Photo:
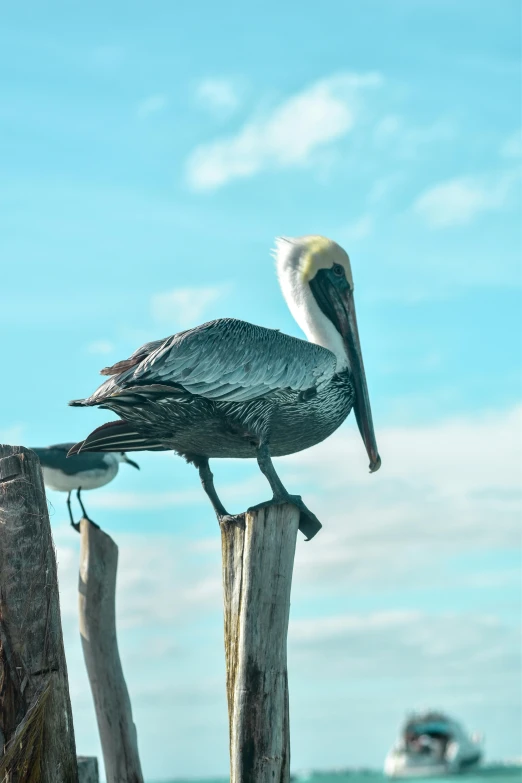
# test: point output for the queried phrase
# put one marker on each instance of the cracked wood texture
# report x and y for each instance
(97, 608)
(36, 727)
(258, 560)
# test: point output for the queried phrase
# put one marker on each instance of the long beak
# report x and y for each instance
(345, 310)
(131, 462)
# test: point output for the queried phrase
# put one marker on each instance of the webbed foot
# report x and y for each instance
(309, 525)
(232, 519)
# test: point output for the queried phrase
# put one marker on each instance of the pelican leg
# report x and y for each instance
(309, 525)
(75, 525)
(207, 480)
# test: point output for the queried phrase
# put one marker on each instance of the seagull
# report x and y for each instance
(229, 388)
(84, 471)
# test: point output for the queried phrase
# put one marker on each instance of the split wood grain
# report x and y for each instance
(258, 558)
(97, 610)
(36, 726)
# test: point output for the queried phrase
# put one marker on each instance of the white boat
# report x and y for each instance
(431, 744)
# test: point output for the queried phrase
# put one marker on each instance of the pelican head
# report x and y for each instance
(316, 279)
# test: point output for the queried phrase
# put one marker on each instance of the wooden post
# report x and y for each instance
(36, 727)
(88, 769)
(97, 607)
(258, 559)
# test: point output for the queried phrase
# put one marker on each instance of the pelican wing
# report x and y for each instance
(228, 360)
(134, 359)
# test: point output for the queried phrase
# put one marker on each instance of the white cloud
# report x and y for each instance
(184, 307)
(219, 95)
(152, 105)
(387, 127)
(167, 593)
(410, 644)
(327, 629)
(405, 140)
(436, 494)
(359, 229)
(447, 454)
(512, 147)
(13, 435)
(460, 200)
(159, 578)
(319, 114)
(142, 501)
(100, 347)
(382, 188)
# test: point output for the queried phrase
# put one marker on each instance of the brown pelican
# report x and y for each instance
(232, 389)
(84, 471)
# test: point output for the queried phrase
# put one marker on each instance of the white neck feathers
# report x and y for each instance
(307, 313)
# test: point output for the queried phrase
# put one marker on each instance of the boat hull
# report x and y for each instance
(401, 766)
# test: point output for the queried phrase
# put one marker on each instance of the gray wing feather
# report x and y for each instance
(228, 359)
(134, 359)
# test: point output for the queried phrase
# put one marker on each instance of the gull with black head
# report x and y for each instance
(228, 388)
(84, 471)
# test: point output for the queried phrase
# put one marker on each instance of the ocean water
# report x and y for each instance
(486, 774)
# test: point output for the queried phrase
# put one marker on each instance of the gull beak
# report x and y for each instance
(131, 462)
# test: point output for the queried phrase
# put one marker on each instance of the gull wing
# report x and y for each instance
(56, 457)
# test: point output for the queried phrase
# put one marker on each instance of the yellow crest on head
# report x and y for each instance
(316, 246)
(321, 253)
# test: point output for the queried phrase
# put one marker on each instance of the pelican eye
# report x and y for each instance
(338, 270)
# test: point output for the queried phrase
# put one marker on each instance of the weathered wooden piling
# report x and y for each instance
(88, 769)
(258, 559)
(36, 727)
(97, 609)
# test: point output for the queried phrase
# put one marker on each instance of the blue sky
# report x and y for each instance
(150, 155)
